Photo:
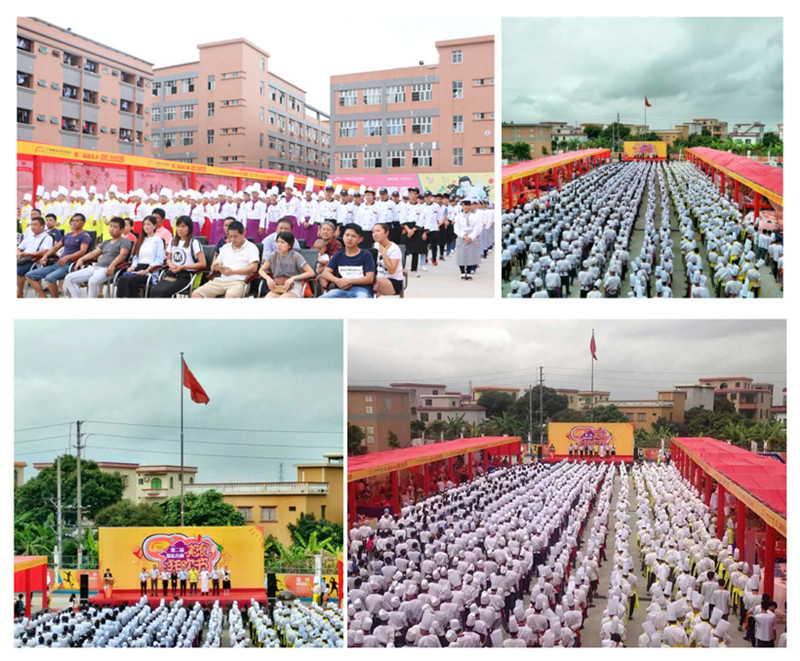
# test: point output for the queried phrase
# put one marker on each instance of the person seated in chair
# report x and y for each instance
(33, 247)
(352, 270)
(111, 252)
(236, 260)
(75, 246)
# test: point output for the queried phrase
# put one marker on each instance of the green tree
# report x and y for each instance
(773, 432)
(37, 496)
(391, 440)
(205, 509)
(417, 427)
(521, 151)
(125, 513)
(435, 429)
(552, 403)
(506, 424)
(495, 402)
(355, 441)
(453, 426)
(33, 538)
(622, 132)
(313, 535)
(593, 131)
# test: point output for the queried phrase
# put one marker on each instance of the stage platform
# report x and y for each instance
(132, 596)
(618, 459)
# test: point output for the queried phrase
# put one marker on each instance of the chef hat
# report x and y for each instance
(289, 181)
(649, 627)
(338, 190)
(166, 192)
(716, 616)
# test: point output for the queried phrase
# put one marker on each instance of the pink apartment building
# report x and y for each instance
(76, 92)
(426, 118)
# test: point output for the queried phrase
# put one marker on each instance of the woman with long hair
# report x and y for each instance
(390, 278)
(184, 258)
(147, 251)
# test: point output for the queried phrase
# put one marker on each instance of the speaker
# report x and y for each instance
(84, 588)
(272, 586)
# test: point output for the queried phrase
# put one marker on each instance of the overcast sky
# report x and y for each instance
(307, 42)
(635, 358)
(259, 375)
(589, 69)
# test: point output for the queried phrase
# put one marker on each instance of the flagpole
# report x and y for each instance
(591, 395)
(181, 475)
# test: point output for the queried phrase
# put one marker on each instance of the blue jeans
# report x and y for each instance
(52, 273)
(353, 292)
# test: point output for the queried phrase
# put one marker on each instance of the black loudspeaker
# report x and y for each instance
(272, 586)
(84, 588)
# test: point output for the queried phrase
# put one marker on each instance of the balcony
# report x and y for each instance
(155, 493)
(256, 488)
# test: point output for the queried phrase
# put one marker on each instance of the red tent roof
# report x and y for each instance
(762, 477)
(527, 168)
(379, 463)
(762, 178)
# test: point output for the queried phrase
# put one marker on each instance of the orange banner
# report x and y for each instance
(651, 149)
(585, 434)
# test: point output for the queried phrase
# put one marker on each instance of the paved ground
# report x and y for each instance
(444, 280)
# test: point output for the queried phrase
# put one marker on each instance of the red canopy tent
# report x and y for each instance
(567, 164)
(764, 180)
(30, 575)
(393, 461)
(758, 483)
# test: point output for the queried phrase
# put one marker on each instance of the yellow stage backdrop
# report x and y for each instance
(561, 434)
(651, 149)
(126, 550)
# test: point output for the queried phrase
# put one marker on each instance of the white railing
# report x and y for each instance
(227, 489)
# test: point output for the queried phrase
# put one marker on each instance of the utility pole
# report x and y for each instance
(541, 406)
(80, 513)
(280, 472)
(58, 513)
(530, 417)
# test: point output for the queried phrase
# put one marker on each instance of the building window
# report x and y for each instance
(369, 410)
(458, 123)
(458, 57)
(369, 398)
(263, 64)
(155, 140)
(155, 483)
(126, 135)
(156, 89)
(155, 114)
(71, 125)
(348, 98)
(23, 116)
(322, 511)
(23, 44)
(210, 137)
(261, 113)
(24, 79)
(395, 126)
(171, 87)
(260, 139)
(423, 417)
(484, 81)
(428, 402)
(211, 82)
(171, 482)
(187, 112)
(490, 115)
(90, 128)
(269, 513)
(373, 159)
(273, 93)
(458, 156)
(209, 160)
(372, 96)
(169, 139)
(348, 160)
(272, 117)
(89, 66)
(420, 125)
(421, 158)
(641, 417)
(70, 59)
(396, 94)
(458, 89)
(187, 138)
(187, 85)
(372, 128)
(69, 92)
(396, 159)
(421, 92)
(271, 142)
(170, 112)
(246, 512)
(292, 508)
(348, 129)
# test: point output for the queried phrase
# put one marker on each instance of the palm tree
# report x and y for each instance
(738, 432)
(454, 426)
(771, 432)
(506, 424)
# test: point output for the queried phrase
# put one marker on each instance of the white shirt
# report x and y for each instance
(237, 259)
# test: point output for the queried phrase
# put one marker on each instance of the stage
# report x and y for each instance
(132, 596)
(617, 459)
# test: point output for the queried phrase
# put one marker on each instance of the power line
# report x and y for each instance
(59, 424)
(171, 440)
(255, 431)
(198, 454)
(36, 440)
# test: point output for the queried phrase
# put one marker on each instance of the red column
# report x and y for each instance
(351, 502)
(720, 511)
(129, 177)
(707, 498)
(396, 491)
(37, 175)
(193, 180)
(722, 183)
(485, 461)
(756, 205)
(536, 183)
(426, 479)
(769, 561)
(736, 190)
(450, 469)
(469, 466)
(741, 516)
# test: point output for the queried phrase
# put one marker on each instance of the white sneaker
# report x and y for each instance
(424, 268)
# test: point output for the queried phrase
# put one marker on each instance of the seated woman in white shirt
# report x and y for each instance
(390, 278)
(147, 251)
(184, 258)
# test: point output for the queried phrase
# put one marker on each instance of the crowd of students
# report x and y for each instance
(154, 248)
(583, 233)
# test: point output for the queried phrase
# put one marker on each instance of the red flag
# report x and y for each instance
(647, 103)
(199, 395)
(593, 347)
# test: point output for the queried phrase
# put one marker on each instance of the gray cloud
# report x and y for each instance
(259, 375)
(589, 69)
